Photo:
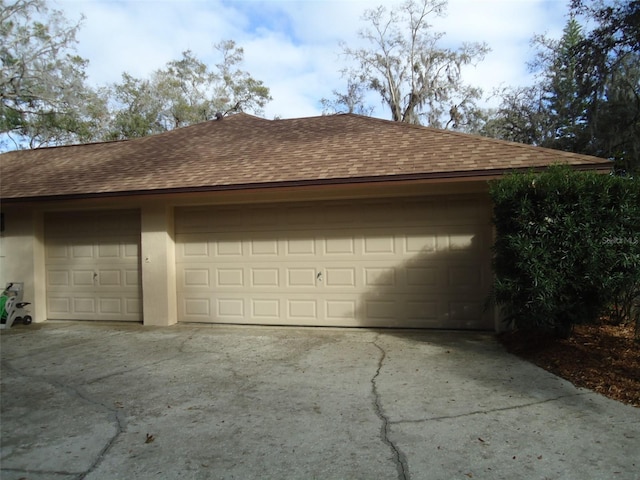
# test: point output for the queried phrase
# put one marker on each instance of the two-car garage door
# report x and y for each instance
(394, 263)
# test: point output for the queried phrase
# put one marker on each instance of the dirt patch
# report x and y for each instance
(603, 358)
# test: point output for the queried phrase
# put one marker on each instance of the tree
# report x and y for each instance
(608, 61)
(521, 117)
(550, 113)
(184, 92)
(416, 79)
(137, 112)
(587, 97)
(42, 82)
(558, 67)
(236, 89)
(351, 101)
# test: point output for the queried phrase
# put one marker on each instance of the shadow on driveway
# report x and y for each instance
(96, 401)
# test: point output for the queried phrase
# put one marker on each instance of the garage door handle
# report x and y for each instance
(95, 275)
(319, 276)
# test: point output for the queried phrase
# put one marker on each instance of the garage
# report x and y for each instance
(92, 265)
(334, 220)
(402, 263)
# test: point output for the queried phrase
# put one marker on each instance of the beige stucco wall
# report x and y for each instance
(158, 265)
(22, 257)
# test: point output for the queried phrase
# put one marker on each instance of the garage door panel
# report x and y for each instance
(376, 245)
(265, 309)
(261, 217)
(300, 247)
(197, 277)
(228, 249)
(110, 278)
(132, 277)
(464, 314)
(58, 305)
(201, 219)
(420, 212)
(383, 307)
(464, 277)
(461, 242)
(419, 310)
(199, 308)
(132, 250)
(82, 252)
(302, 277)
(416, 242)
(341, 310)
(306, 308)
(230, 308)
(82, 278)
(340, 277)
(107, 251)
(464, 211)
(381, 212)
(193, 248)
(339, 246)
(84, 306)
(264, 247)
(292, 215)
(230, 277)
(421, 277)
(57, 251)
(203, 307)
(110, 305)
(92, 265)
(396, 263)
(375, 277)
(265, 277)
(111, 223)
(58, 278)
(121, 252)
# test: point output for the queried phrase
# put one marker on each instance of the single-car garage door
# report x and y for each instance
(92, 265)
(419, 263)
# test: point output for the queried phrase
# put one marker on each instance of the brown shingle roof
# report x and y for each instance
(243, 150)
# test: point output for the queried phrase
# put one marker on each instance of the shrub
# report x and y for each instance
(567, 245)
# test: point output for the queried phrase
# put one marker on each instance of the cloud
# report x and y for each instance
(507, 26)
(293, 46)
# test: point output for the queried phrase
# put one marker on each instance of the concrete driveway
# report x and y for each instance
(113, 401)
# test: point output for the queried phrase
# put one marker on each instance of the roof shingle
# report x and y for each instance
(243, 150)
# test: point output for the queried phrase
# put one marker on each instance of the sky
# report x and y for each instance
(293, 46)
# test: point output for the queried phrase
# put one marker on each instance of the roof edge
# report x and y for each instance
(438, 176)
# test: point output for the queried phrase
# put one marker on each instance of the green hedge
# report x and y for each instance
(567, 244)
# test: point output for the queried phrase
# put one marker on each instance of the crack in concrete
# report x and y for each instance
(401, 462)
(77, 475)
(74, 391)
(133, 369)
(121, 427)
(492, 410)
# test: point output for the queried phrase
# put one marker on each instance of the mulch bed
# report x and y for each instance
(604, 358)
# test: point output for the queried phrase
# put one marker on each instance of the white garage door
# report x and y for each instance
(92, 266)
(420, 263)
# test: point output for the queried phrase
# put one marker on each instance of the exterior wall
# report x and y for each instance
(159, 304)
(22, 257)
(22, 244)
